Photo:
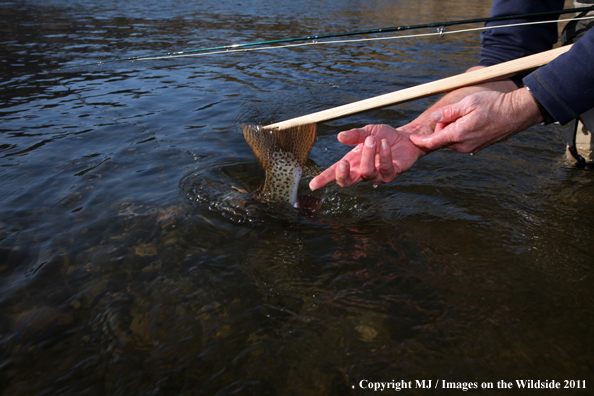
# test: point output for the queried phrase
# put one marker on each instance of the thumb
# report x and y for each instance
(431, 142)
(442, 136)
(448, 114)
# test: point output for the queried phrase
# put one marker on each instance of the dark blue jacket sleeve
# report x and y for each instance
(506, 43)
(564, 87)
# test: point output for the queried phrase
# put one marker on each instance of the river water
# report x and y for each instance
(122, 274)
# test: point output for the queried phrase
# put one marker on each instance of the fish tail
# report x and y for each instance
(264, 142)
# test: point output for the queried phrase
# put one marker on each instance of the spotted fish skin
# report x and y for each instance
(282, 154)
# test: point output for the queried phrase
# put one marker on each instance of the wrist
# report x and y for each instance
(526, 108)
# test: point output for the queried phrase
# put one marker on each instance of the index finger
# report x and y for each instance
(327, 176)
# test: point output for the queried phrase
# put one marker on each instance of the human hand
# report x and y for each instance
(381, 154)
(480, 120)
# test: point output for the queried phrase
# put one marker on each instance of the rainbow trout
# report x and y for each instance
(283, 155)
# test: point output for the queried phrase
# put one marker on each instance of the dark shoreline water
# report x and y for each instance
(115, 278)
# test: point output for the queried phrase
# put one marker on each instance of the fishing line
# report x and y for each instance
(438, 33)
(241, 47)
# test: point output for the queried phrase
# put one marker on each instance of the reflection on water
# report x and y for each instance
(122, 271)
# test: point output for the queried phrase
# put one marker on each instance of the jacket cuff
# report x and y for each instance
(548, 98)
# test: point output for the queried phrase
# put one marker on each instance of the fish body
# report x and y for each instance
(283, 155)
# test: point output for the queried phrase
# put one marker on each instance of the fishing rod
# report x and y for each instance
(440, 25)
(440, 32)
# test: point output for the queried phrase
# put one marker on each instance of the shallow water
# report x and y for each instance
(122, 272)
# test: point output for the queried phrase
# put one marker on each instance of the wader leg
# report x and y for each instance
(582, 146)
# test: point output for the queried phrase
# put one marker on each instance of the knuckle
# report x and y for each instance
(342, 182)
(386, 168)
(368, 174)
(446, 112)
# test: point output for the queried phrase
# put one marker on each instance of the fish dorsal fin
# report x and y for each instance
(264, 142)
